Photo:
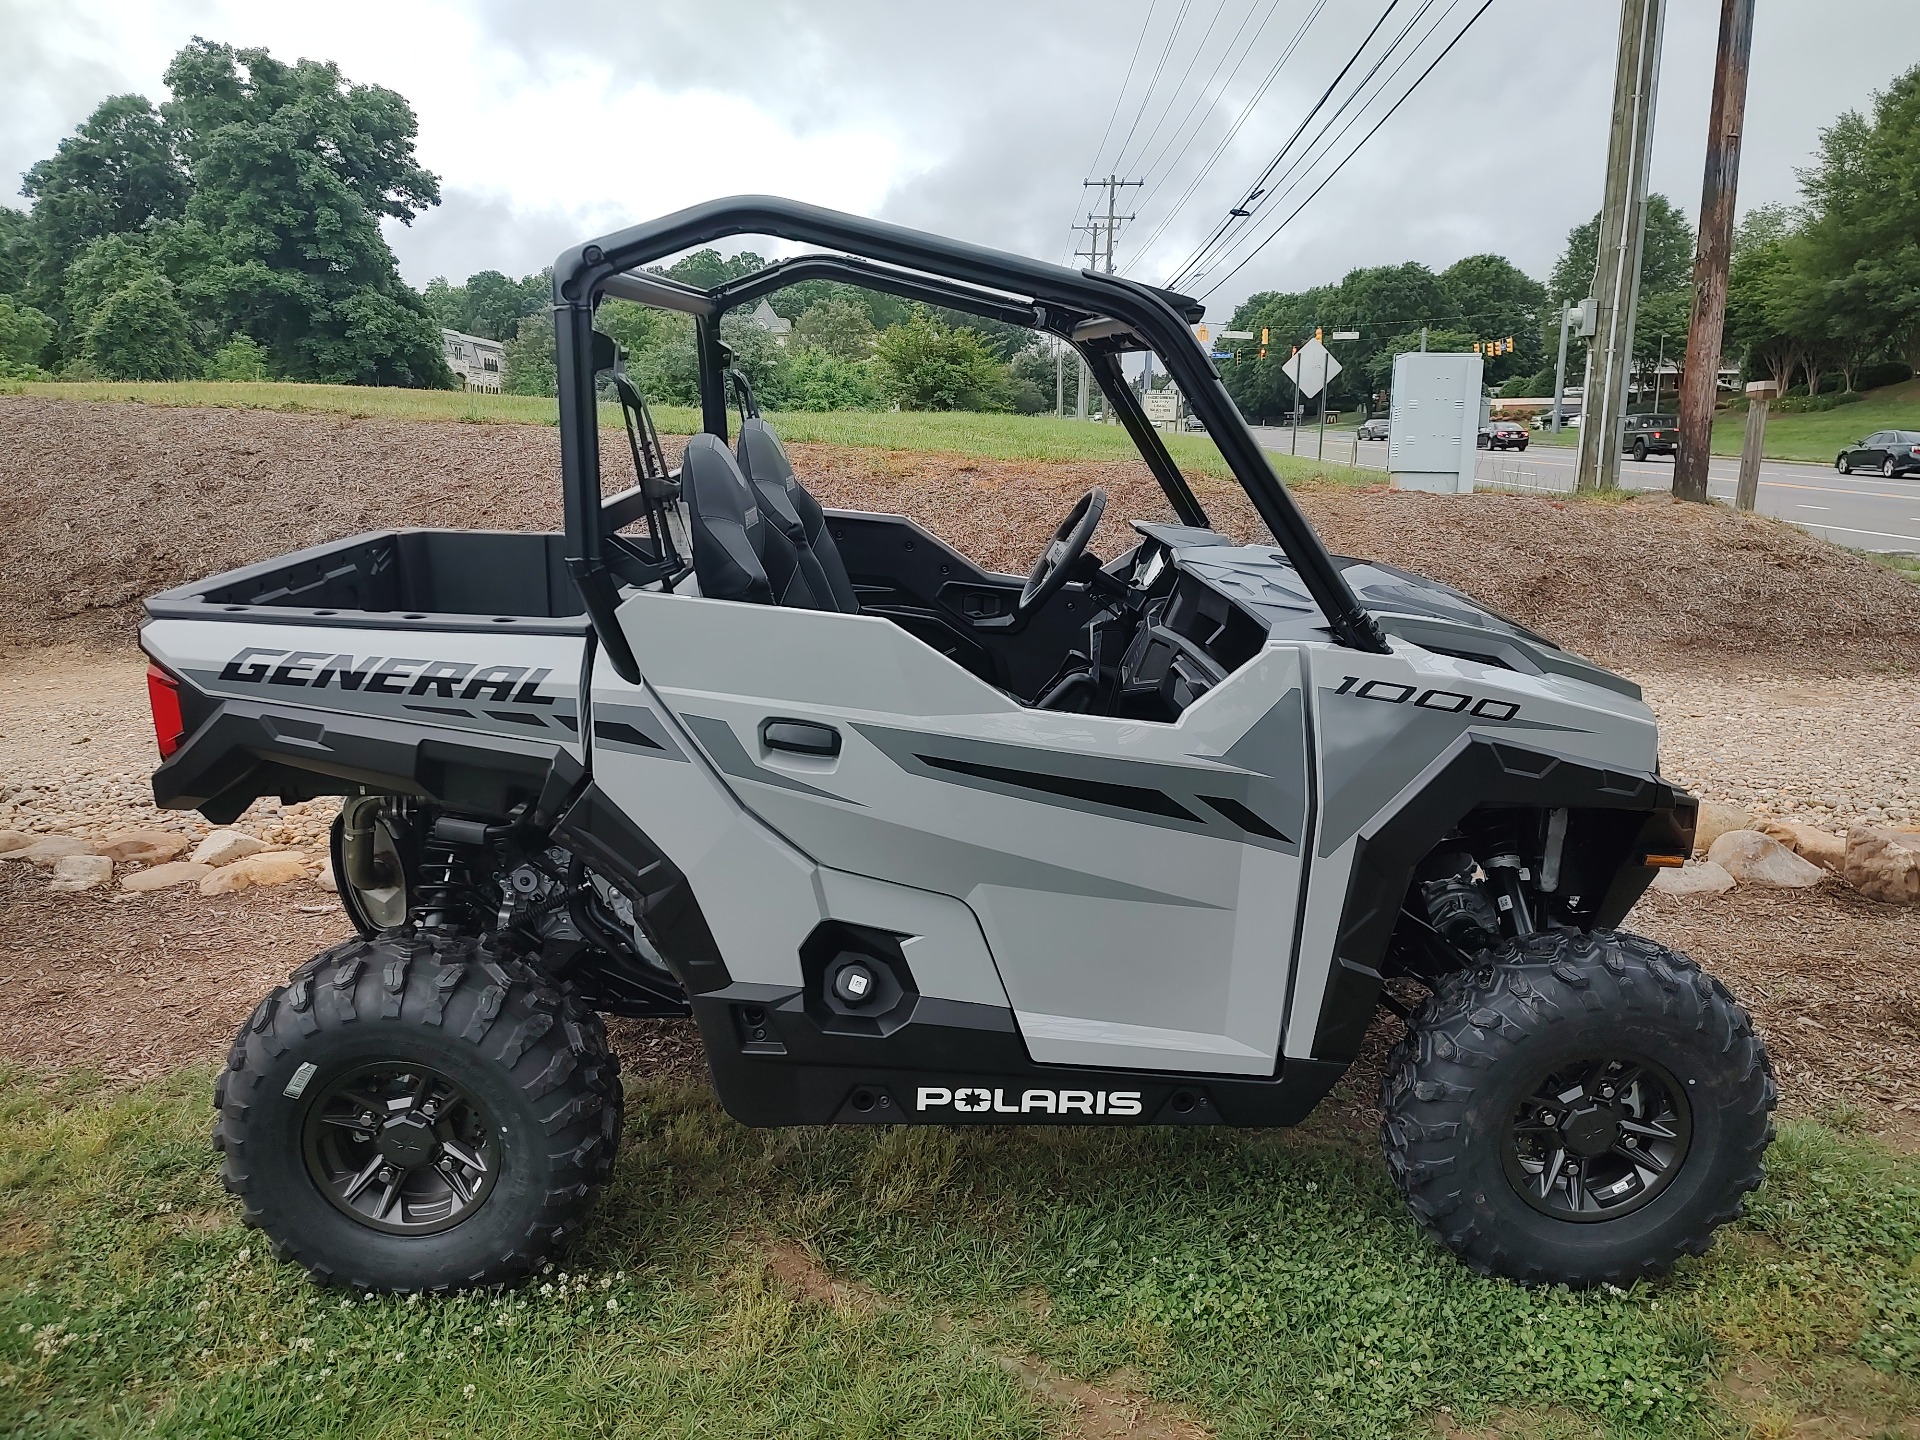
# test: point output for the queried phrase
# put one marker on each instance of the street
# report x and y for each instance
(1860, 512)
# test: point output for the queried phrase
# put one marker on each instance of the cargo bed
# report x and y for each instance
(394, 579)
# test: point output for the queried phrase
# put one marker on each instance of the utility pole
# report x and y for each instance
(1700, 380)
(1623, 220)
(1560, 365)
(1060, 379)
(1101, 228)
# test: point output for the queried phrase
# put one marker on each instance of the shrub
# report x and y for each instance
(1882, 372)
(817, 380)
(241, 358)
(925, 365)
(140, 333)
(24, 334)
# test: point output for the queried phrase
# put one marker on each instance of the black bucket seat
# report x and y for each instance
(738, 552)
(787, 503)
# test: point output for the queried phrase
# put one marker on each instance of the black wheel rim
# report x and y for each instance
(400, 1148)
(1598, 1138)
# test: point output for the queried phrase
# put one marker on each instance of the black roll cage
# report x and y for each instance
(1100, 315)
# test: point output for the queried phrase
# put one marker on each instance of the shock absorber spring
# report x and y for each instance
(444, 889)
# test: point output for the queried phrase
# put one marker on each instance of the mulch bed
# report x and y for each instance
(102, 504)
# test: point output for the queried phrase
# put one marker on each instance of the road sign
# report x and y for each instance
(1162, 406)
(1220, 354)
(1236, 334)
(1346, 334)
(1311, 368)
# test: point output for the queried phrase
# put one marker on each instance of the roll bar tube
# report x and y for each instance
(582, 271)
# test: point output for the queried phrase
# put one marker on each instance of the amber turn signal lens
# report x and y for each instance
(1665, 862)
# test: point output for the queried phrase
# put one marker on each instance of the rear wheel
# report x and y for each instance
(418, 1113)
(1640, 450)
(1582, 1108)
(1889, 469)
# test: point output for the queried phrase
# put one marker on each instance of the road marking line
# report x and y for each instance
(1882, 534)
(1813, 507)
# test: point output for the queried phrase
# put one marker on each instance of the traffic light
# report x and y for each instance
(1263, 334)
(1476, 347)
(1509, 344)
(1316, 332)
(1201, 332)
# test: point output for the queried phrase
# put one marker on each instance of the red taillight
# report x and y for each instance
(169, 726)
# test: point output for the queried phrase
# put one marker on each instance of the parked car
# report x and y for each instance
(1644, 435)
(1891, 452)
(1374, 429)
(1502, 435)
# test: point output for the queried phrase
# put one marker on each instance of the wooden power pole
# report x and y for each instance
(1623, 217)
(1700, 381)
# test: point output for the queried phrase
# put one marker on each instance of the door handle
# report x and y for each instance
(800, 737)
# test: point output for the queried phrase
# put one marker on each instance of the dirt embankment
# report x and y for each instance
(102, 504)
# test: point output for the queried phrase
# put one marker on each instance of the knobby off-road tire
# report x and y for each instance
(1459, 1107)
(493, 1044)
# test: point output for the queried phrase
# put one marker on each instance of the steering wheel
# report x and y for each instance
(1063, 552)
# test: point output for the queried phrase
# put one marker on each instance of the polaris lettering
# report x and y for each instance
(389, 675)
(979, 1100)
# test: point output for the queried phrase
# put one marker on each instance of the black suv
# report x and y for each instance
(1891, 452)
(1645, 435)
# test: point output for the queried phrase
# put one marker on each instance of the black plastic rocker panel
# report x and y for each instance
(797, 1072)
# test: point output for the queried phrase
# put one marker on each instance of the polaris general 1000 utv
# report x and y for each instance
(1146, 840)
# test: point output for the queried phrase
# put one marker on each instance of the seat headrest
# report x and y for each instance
(724, 523)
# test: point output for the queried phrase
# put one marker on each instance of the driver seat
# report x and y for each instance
(787, 504)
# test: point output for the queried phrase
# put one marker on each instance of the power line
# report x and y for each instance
(1173, 95)
(1126, 80)
(1246, 111)
(1233, 48)
(1147, 94)
(1325, 140)
(1254, 190)
(1485, 6)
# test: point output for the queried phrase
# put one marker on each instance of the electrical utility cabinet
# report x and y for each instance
(1434, 422)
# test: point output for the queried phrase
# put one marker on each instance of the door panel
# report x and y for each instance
(1138, 884)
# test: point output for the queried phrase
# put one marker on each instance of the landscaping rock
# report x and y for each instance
(325, 878)
(46, 850)
(224, 847)
(12, 840)
(175, 872)
(274, 867)
(1810, 842)
(143, 847)
(1884, 864)
(1716, 820)
(1760, 860)
(1702, 877)
(80, 872)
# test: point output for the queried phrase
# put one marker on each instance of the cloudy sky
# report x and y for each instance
(553, 121)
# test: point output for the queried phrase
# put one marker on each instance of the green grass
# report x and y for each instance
(1039, 438)
(1266, 1283)
(1816, 437)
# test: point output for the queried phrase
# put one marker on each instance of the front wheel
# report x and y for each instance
(1582, 1108)
(418, 1112)
(1843, 465)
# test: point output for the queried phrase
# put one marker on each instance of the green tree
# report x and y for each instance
(1862, 238)
(241, 358)
(25, 334)
(530, 359)
(1034, 375)
(1496, 300)
(117, 172)
(16, 233)
(928, 365)
(819, 380)
(293, 168)
(705, 269)
(140, 333)
(835, 326)
(489, 304)
(108, 264)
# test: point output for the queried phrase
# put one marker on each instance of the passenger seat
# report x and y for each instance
(737, 554)
(786, 501)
